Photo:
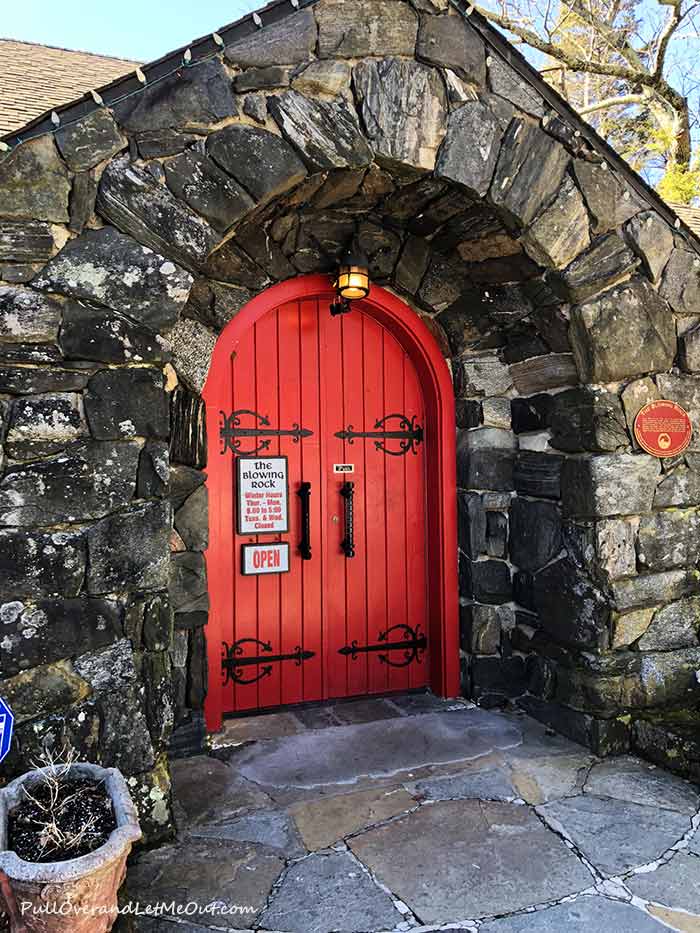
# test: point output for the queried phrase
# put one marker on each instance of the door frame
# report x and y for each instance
(441, 479)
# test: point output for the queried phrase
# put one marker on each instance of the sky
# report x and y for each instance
(142, 30)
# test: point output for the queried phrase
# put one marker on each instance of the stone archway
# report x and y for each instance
(559, 293)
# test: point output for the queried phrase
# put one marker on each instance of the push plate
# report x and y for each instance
(343, 467)
(265, 558)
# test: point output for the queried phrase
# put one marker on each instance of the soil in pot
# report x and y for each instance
(61, 819)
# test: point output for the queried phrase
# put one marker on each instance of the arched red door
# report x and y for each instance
(322, 440)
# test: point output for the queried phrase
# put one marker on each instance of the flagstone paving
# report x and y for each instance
(415, 814)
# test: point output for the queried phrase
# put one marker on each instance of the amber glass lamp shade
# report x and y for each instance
(353, 277)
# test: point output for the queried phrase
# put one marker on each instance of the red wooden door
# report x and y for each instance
(341, 400)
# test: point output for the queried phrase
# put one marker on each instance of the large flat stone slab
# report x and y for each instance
(323, 822)
(378, 749)
(272, 829)
(640, 782)
(490, 784)
(538, 780)
(329, 892)
(584, 915)
(675, 884)
(467, 859)
(614, 835)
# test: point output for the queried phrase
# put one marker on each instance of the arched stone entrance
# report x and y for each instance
(429, 527)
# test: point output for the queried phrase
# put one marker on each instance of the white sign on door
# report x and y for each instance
(265, 558)
(263, 495)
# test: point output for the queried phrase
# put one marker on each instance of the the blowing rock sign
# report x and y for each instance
(663, 429)
(262, 496)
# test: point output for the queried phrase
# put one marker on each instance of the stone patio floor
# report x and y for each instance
(418, 814)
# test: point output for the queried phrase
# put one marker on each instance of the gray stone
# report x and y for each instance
(470, 151)
(155, 144)
(91, 140)
(48, 630)
(82, 200)
(371, 27)
(188, 582)
(207, 189)
(255, 107)
(123, 403)
(323, 893)
(87, 482)
(130, 550)
(34, 183)
(616, 835)
(114, 270)
(668, 539)
(412, 264)
(652, 240)
(471, 523)
(191, 97)
(36, 564)
(492, 784)
(192, 520)
(44, 424)
(529, 172)
(324, 77)
(232, 265)
(27, 316)
(635, 396)
(535, 533)
(28, 241)
(675, 884)
(484, 375)
(538, 474)
(404, 109)
(28, 380)
(505, 82)
(269, 828)
(255, 79)
(571, 608)
(132, 200)
(685, 390)
(539, 779)
(650, 589)
(193, 345)
(680, 285)
(681, 487)
(609, 204)
(449, 42)
(265, 165)
(326, 133)
(588, 419)
(183, 482)
(614, 542)
(90, 333)
(382, 248)
(484, 468)
(584, 915)
(635, 781)
(626, 331)
(606, 262)
(609, 484)
(560, 232)
(540, 373)
(689, 345)
(496, 412)
(480, 629)
(483, 846)
(291, 40)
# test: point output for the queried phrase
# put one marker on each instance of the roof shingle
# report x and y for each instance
(35, 78)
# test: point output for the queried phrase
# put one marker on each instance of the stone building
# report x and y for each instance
(167, 253)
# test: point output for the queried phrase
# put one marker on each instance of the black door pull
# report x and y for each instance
(304, 493)
(348, 543)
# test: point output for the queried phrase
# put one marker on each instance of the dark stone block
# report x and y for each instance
(192, 520)
(189, 737)
(50, 630)
(231, 264)
(89, 333)
(448, 41)
(480, 629)
(471, 523)
(27, 316)
(262, 249)
(197, 670)
(155, 144)
(523, 344)
(183, 482)
(588, 419)
(470, 151)
(605, 262)
(87, 481)
(91, 140)
(188, 583)
(288, 42)
(541, 677)
(603, 736)
(114, 270)
(130, 550)
(468, 412)
(255, 107)
(540, 373)
(265, 165)
(490, 581)
(158, 623)
(485, 469)
(25, 241)
(495, 680)
(29, 353)
(382, 248)
(132, 200)
(538, 474)
(190, 620)
(122, 403)
(188, 434)
(571, 609)
(326, 133)
(157, 681)
(256, 79)
(535, 533)
(208, 190)
(496, 534)
(34, 182)
(82, 200)
(36, 564)
(523, 589)
(25, 380)
(531, 414)
(153, 473)
(195, 96)
(43, 425)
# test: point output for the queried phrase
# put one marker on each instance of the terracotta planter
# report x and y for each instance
(78, 895)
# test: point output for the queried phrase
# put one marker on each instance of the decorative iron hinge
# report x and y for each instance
(231, 432)
(233, 661)
(412, 644)
(407, 431)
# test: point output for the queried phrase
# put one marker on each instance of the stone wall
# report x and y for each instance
(562, 301)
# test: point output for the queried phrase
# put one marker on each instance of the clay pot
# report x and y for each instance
(78, 895)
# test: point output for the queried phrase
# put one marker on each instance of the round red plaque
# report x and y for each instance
(663, 428)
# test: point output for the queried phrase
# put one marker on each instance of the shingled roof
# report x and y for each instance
(689, 215)
(35, 78)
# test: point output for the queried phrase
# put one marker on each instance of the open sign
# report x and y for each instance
(265, 558)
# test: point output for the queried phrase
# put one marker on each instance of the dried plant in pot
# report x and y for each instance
(66, 831)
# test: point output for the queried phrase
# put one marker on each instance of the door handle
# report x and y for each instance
(347, 491)
(304, 493)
